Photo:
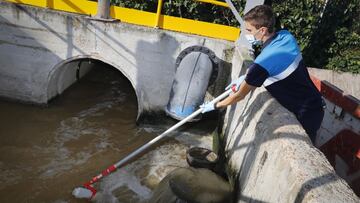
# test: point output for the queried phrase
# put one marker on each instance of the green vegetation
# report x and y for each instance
(328, 31)
(190, 9)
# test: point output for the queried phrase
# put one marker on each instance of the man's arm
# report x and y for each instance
(244, 89)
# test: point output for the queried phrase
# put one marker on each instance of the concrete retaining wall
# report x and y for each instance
(270, 157)
(349, 83)
(36, 42)
(339, 135)
(342, 111)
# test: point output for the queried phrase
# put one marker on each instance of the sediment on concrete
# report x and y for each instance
(271, 159)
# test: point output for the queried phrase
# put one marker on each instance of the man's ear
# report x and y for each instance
(264, 30)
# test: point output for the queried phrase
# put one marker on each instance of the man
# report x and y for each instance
(280, 68)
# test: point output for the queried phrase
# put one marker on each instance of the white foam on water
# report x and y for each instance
(103, 143)
(150, 129)
(144, 173)
(57, 166)
(114, 97)
(123, 178)
(72, 129)
(8, 176)
(64, 159)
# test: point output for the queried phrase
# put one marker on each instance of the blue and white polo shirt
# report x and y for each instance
(280, 68)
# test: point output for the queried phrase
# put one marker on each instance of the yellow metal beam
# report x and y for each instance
(143, 18)
(218, 3)
(200, 28)
(81, 6)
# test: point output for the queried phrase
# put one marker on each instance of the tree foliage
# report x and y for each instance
(190, 9)
(328, 31)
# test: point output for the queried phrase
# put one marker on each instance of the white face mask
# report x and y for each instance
(252, 40)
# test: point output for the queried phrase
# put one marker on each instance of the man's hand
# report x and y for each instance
(235, 84)
(206, 107)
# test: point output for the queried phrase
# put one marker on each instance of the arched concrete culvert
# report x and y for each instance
(69, 71)
(47, 40)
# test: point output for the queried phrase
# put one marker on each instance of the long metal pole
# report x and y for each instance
(182, 122)
(235, 12)
(88, 190)
(153, 141)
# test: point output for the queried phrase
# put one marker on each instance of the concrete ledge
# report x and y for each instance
(271, 158)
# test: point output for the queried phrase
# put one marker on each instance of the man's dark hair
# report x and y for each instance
(261, 16)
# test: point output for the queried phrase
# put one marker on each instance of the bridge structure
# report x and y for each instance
(42, 41)
(47, 45)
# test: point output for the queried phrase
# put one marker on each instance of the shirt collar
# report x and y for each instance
(267, 42)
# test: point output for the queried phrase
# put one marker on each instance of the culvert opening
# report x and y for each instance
(87, 127)
(95, 81)
(46, 152)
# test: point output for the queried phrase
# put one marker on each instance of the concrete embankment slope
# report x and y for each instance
(271, 159)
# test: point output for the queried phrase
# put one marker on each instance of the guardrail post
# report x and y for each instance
(158, 13)
(103, 9)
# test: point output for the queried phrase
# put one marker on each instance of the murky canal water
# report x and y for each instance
(45, 152)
